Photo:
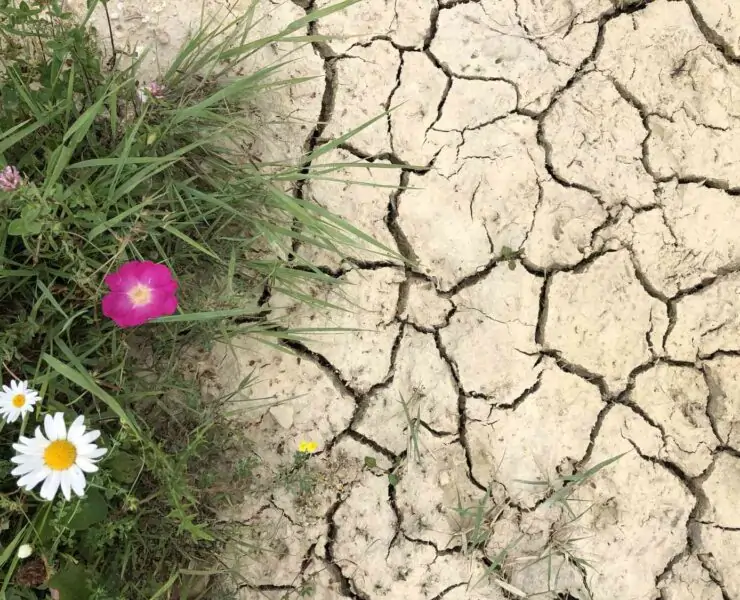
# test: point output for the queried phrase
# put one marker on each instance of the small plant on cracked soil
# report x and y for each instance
(560, 489)
(474, 524)
(298, 477)
(560, 550)
(559, 553)
(412, 414)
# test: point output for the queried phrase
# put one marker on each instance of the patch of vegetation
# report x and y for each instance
(97, 171)
(476, 525)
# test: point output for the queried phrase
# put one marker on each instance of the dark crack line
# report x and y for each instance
(574, 369)
(391, 221)
(447, 590)
(461, 408)
(370, 443)
(388, 102)
(412, 276)
(693, 489)
(477, 127)
(720, 527)
(479, 275)
(362, 401)
(516, 402)
(398, 525)
(440, 105)
(542, 312)
(537, 206)
(386, 155)
(318, 359)
(325, 113)
(712, 36)
(713, 576)
(714, 394)
(708, 182)
(345, 583)
(645, 115)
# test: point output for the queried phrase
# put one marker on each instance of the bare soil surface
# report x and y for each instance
(573, 296)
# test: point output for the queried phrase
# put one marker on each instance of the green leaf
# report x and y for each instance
(370, 462)
(78, 374)
(91, 510)
(8, 551)
(393, 479)
(71, 582)
(208, 316)
(124, 467)
(30, 212)
(34, 228)
(20, 594)
(18, 227)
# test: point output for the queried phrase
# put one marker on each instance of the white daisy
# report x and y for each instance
(17, 400)
(59, 459)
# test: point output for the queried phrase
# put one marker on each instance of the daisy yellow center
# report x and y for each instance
(140, 294)
(60, 455)
(19, 400)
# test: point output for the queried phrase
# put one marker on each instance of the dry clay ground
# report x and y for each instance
(573, 296)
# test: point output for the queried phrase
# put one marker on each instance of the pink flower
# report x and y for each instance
(10, 179)
(151, 90)
(139, 291)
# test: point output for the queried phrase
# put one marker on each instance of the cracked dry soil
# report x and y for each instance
(597, 142)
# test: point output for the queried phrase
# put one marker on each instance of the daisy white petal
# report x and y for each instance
(90, 436)
(76, 429)
(61, 428)
(51, 485)
(35, 464)
(23, 469)
(28, 450)
(91, 451)
(48, 427)
(31, 480)
(86, 465)
(66, 486)
(77, 479)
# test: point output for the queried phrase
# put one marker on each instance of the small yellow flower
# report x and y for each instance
(307, 447)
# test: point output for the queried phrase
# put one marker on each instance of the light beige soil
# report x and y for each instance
(598, 143)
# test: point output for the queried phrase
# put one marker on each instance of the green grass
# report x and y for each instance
(109, 179)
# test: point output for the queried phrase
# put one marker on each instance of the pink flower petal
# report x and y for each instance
(117, 304)
(157, 275)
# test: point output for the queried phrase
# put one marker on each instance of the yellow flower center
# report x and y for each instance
(60, 455)
(140, 294)
(19, 400)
